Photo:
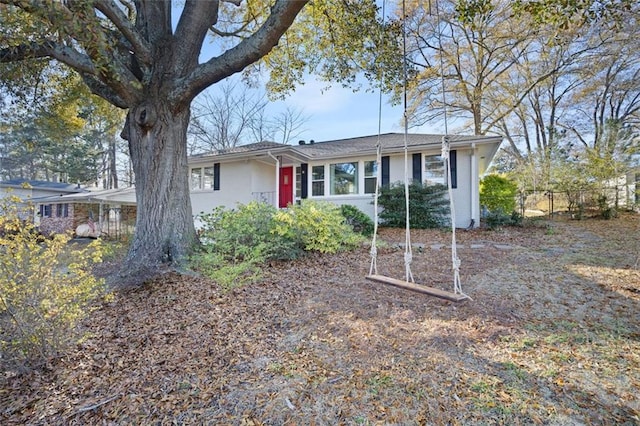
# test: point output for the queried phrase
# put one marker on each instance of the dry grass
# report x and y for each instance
(552, 336)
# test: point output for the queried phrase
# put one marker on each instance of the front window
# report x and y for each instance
(298, 182)
(344, 178)
(370, 176)
(207, 179)
(434, 171)
(196, 179)
(317, 180)
(202, 178)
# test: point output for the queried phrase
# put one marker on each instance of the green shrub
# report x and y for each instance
(236, 242)
(498, 218)
(497, 193)
(358, 220)
(317, 226)
(246, 232)
(228, 273)
(607, 212)
(46, 288)
(428, 206)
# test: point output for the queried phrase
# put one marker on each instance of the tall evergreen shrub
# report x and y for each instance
(428, 206)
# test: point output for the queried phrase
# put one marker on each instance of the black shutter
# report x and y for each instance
(385, 171)
(216, 176)
(453, 159)
(304, 184)
(417, 168)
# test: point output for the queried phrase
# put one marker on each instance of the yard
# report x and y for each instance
(552, 336)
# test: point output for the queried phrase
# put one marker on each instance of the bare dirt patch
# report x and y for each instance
(552, 336)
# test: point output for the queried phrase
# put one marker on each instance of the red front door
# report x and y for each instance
(286, 186)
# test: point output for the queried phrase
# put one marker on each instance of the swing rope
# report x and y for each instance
(446, 158)
(373, 269)
(408, 255)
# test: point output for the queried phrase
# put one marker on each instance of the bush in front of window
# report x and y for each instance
(358, 220)
(428, 206)
(235, 243)
(317, 226)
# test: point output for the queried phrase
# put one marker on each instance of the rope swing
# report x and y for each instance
(408, 283)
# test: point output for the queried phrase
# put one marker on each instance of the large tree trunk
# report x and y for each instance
(164, 225)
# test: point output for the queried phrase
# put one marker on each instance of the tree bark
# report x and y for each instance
(165, 232)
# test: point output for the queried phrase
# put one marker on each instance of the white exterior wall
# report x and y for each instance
(263, 179)
(235, 184)
(240, 181)
(464, 196)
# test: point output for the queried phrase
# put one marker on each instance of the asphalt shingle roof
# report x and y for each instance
(389, 142)
(42, 184)
(243, 148)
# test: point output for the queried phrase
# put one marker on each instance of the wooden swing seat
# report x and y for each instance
(418, 288)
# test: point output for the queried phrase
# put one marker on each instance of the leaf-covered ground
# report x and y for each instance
(552, 336)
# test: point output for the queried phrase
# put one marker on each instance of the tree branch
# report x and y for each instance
(234, 60)
(111, 10)
(62, 53)
(196, 19)
(99, 88)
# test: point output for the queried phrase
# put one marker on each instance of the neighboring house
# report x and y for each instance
(29, 191)
(109, 212)
(341, 171)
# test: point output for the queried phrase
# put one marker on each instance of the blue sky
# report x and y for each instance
(339, 113)
(334, 113)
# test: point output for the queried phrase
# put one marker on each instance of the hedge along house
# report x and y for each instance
(341, 171)
(107, 213)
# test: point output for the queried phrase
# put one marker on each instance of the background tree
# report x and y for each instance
(52, 128)
(555, 78)
(463, 52)
(237, 114)
(136, 56)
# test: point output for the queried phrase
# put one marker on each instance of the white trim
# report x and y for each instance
(276, 202)
(475, 186)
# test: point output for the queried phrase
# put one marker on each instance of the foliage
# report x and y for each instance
(498, 193)
(236, 242)
(57, 129)
(358, 220)
(606, 211)
(338, 42)
(498, 218)
(428, 205)
(45, 289)
(317, 225)
(246, 232)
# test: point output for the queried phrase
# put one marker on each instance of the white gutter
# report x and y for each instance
(276, 202)
(475, 187)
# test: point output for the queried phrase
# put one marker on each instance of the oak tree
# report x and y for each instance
(146, 56)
